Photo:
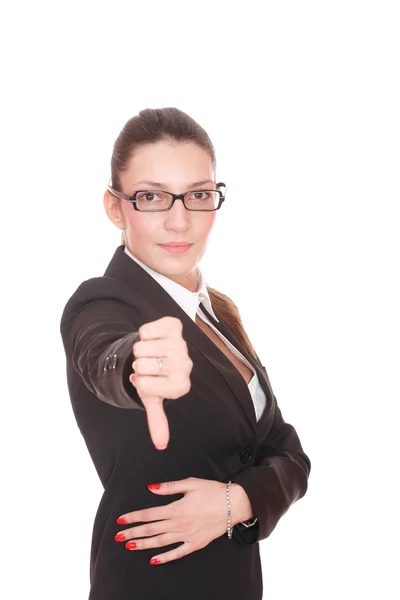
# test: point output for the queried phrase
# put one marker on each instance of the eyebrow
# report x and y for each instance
(158, 184)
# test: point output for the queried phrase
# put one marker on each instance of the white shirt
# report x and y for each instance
(190, 303)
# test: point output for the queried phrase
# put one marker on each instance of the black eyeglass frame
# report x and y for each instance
(132, 199)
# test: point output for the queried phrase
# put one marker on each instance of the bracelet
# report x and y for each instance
(230, 529)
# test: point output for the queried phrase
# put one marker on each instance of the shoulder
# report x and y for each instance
(96, 289)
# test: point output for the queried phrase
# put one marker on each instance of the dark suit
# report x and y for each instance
(214, 435)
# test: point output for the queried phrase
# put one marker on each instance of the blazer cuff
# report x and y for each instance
(111, 381)
(272, 488)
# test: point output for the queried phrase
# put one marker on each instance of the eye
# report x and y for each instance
(149, 196)
(199, 195)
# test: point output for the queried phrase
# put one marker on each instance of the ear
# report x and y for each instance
(112, 206)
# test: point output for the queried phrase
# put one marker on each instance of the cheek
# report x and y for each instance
(208, 223)
(140, 225)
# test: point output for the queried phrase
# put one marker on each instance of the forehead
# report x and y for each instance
(171, 164)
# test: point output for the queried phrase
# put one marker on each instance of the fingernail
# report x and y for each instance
(119, 537)
(121, 521)
(130, 545)
(155, 561)
(154, 486)
(132, 378)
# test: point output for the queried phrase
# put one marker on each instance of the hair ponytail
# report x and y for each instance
(229, 313)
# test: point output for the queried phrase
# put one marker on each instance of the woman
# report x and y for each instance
(175, 407)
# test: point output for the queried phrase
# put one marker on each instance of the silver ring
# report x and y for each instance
(160, 365)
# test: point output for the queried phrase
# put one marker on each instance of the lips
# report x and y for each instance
(176, 247)
(175, 244)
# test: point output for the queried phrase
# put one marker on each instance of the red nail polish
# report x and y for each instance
(121, 521)
(130, 545)
(154, 486)
(119, 537)
(155, 561)
(132, 378)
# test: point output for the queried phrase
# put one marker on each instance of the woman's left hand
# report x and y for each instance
(196, 519)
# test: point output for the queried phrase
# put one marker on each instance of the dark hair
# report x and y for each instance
(154, 125)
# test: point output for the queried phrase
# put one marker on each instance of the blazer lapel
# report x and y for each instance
(263, 425)
(158, 303)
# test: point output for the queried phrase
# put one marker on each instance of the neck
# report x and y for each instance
(189, 281)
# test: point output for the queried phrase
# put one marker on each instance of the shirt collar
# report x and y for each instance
(187, 300)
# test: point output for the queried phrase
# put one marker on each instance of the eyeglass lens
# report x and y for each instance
(196, 200)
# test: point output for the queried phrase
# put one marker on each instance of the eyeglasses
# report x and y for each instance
(158, 200)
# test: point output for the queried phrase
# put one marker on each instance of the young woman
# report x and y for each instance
(175, 407)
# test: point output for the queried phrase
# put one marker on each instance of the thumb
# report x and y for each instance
(157, 421)
(156, 418)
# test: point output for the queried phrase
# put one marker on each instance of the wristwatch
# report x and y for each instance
(249, 523)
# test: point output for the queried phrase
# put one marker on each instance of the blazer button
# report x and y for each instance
(246, 455)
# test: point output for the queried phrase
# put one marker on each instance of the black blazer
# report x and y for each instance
(214, 435)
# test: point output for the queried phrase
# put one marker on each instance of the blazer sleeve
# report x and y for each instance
(98, 336)
(278, 478)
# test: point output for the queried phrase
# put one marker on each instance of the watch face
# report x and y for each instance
(250, 522)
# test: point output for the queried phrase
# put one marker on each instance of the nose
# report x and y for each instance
(177, 217)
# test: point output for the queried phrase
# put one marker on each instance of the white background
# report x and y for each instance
(301, 100)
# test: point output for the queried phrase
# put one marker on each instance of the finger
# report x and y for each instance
(155, 513)
(159, 348)
(154, 542)
(156, 420)
(147, 530)
(164, 327)
(180, 552)
(178, 486)
(172, 386)
(150, 366)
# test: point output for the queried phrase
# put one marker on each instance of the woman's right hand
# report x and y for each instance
(160, 339)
